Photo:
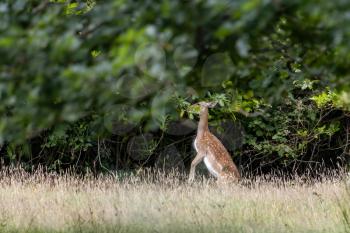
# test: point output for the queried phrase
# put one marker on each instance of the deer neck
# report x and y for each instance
(203, 121)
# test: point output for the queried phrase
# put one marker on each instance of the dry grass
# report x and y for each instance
(43, 202)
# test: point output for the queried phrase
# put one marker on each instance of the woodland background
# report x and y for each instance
(108, 85)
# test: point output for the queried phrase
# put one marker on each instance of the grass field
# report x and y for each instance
(44, 202)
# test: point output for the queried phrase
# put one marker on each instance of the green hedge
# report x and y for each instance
(73, 71)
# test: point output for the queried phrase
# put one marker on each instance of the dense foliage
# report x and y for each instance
(109, 84)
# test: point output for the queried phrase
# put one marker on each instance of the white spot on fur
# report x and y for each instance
(195, 146)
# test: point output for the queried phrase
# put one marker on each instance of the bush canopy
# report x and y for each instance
(109, 84)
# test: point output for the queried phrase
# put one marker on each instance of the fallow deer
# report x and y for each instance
(212, 151)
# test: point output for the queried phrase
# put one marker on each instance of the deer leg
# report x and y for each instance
(194, 164)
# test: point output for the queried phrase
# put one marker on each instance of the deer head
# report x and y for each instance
(207, 104)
